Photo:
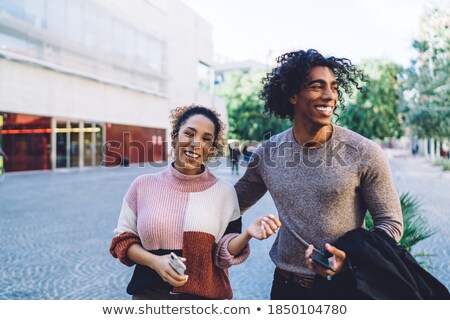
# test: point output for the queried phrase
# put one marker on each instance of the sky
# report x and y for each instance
(356, 29)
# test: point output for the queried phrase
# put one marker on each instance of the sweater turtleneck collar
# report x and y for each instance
(188, 183)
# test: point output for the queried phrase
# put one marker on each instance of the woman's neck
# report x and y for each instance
(188, 172)
(188, 183)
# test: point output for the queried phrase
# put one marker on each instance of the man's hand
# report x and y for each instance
(336, 261)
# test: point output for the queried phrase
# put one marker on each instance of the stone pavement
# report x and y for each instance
(56, 227)
(431, 186)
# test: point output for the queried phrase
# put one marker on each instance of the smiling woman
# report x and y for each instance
(185, 210)
(196, 137)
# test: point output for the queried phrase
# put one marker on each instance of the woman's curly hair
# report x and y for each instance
(179, 116)
(289, 77)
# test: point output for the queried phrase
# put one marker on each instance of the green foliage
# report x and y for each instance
(426, 90)
(438, 162)
(445, 163)
(245, 109)
(374, 111)
(415, 228)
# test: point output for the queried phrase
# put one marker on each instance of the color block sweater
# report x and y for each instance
(321, 193)
(194, 216)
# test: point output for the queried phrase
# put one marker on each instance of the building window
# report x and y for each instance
(36, 13)
(26, 141)
(85, 37)
(204, 77)
(13, 8)
(56, 18)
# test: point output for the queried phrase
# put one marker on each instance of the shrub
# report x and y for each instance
(438, 162)
(415, 228)
(446, 165)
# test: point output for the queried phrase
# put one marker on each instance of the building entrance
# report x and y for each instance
(78, 144)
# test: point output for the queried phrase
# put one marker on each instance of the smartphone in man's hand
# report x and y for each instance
(321, 259)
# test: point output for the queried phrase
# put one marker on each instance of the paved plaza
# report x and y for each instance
(56, 227)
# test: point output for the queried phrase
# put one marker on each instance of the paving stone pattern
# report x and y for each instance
(56, 227)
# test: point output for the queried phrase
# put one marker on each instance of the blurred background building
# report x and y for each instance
(222, 70)
(91, 82)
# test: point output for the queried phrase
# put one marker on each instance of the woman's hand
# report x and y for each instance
(264, 227)
(337, 261)
(161, 265)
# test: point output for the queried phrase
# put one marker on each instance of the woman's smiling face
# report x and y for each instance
(193, 144)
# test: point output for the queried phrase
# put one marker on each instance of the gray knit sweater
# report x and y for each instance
(320, 193)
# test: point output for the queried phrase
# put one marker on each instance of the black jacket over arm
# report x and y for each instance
(379, 268)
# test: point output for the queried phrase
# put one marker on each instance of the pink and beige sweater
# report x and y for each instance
(193, 216)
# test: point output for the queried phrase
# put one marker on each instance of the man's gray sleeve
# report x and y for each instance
(380, 195)
(251, 187)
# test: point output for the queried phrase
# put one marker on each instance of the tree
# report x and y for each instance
(426, 91)
(374, 112)
(245, 110)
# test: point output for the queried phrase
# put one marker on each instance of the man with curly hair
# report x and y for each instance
(322, 177)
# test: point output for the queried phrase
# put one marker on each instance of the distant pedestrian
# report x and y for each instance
(3, 154)
(445, 148)
(415, 148)
(3, 157)
(235, 155)
(186, 210)
(247, 152)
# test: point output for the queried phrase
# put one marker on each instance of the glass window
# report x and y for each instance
(140, 47)
(56, 17)
(26, 141)
(154, 54)
(61, 144)
(13, 43)
(130, 42)
(77, 24)
(119, 35)
(74, 144)
(104, 41)
(12, 8)
(35, 13)
(90, 25)
(204, 73)
(74, 21)
(89, 147)
(98, 145)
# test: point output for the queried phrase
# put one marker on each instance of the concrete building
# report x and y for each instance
(91, 82)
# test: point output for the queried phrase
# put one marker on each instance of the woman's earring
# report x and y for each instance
(172, 153)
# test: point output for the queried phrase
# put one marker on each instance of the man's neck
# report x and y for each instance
(308, 135)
